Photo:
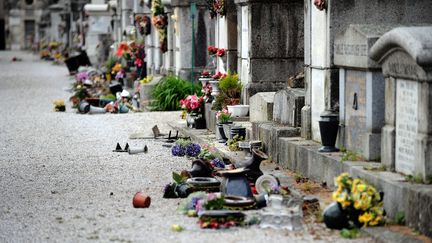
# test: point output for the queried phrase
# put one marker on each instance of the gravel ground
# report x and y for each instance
(61, 183)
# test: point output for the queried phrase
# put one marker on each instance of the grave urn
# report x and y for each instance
(329, 125)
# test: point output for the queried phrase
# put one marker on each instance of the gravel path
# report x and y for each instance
(60, 182)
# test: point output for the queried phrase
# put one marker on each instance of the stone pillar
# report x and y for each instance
(183, 37)
(406, 59)
(15, 29)
(271, 43)
(168, 57)
(226, 37)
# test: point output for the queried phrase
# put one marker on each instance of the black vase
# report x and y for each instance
(329, 126)
(222, 138)
(195, 121)
(335, 217)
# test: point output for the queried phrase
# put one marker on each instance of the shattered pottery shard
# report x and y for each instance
(283, 213)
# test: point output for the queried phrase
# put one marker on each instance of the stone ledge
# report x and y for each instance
(415, 200)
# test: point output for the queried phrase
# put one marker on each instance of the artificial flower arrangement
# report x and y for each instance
(360, 200)
(160, 22)
(205, 74)
(223, 116)
(192, 104)
(142, 23)
(219, 75)
(214, 51)
(216, 7)
(210, 153)
(207, 90)
(184, 147)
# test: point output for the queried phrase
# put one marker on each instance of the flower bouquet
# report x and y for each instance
(212, 50)
(223, 116)
(359, 201)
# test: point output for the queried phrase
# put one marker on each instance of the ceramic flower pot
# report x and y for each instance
(238, 110)
(221, 134)
(205, 80)
(140, 200)
(215, 87)
(235, 183)
(335, 217)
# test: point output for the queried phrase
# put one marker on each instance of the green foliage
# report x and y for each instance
(169, 91)
(219, 102)
(350, 233)
(233, 144)
(230, 85)
(400, 218)
(418, 179)
(109, 64)
(350, 156)
(178, 178)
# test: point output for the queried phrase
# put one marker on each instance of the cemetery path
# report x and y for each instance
(60, 182)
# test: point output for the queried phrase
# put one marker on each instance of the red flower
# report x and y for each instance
(212, 50)
(122, 48)
(138, 62)
(220, 52)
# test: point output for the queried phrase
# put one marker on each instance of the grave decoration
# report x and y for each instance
(357, 204)
(193, 106)
(216, 7)
(160, 22)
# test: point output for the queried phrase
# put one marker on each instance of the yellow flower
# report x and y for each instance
(365, 218)
(375, 221)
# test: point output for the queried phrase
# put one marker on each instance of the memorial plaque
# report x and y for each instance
(407, 102)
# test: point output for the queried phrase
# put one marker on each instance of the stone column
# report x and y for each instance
(168, 57)
(226, 37)
(271, 43)
(183, 37)
(406, 59)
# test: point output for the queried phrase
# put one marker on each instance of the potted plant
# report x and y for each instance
(231, 87)
(194, 108)
(223, 118)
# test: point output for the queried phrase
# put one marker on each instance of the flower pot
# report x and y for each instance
(235, 183)
(215, 87)
(205, 80)
(335, 217)
(227, 129)
(221, 138)
(238, 110)
(196, 121)
(240, 131)
(329, 126)
(96, 110)
(84, 107)
(140, 200)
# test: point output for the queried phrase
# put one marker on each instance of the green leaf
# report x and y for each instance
(178, 178)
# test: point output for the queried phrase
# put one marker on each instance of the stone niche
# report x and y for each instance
(405, 54)
(361, 90)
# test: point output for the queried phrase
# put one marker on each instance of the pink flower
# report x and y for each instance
(211, 196)
(138, 62)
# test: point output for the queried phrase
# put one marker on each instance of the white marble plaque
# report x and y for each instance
(245, 32)
(407, 93)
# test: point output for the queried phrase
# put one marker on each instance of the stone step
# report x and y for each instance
(287, 106)
(261, 107)
(269, 133)
(414, 200)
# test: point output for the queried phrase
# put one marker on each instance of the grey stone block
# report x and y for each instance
(261, 107)
(287, 107)
(210, 117)
(306, 122)
(274, 69)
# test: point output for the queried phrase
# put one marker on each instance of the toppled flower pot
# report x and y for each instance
(96, 110)
(140, 200)
(200, 168)
(208, 184)
(119, 148)
(235, 183)
(239, 202)
(253, 165)
(137, 150)
(83, 107)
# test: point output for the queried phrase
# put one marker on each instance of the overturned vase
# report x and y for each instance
(208, 184)
(200, 168)
(235, 183)
(253, 165)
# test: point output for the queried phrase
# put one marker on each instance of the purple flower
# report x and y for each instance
(120, 74)
(199, 205)
(193, 150)
(195, 201)
(218, 163)
(82, 76)
(178, 150)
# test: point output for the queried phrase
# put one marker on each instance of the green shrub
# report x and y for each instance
(230, 85)
(169, 91)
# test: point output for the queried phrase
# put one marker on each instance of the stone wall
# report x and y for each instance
(270, 43)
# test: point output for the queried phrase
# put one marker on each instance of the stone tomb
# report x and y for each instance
(361, 90)
(406, 57)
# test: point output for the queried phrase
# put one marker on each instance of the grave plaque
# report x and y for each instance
(406, 125)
